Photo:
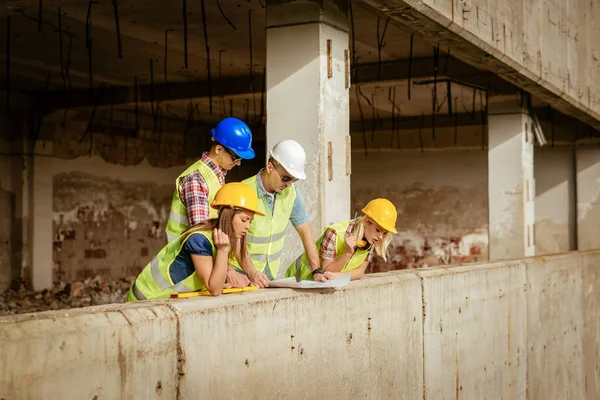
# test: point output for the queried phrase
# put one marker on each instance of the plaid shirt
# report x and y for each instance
(327, 249)
(193, 191)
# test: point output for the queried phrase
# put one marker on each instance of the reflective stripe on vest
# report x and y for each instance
(300, 267)
(178, 220)
(266, 236)
(154, 282)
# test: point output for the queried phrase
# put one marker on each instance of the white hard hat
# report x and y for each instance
(291, 156)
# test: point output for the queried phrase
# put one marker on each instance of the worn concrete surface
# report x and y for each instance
(474, 331)
(545, 47)
(441, 198)
(556, 327)
(591, 321)
(342, 351)
(510, 177)
(117, 352)
(517, 329)
(554, 199)
(308, 105)
(588, 197)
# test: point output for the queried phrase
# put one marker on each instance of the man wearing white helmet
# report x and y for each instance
(281, 202)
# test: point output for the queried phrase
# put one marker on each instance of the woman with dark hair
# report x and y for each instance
(198, 259)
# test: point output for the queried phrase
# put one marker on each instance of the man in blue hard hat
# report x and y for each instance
(196, 187)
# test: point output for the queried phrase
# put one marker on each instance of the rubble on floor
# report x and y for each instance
(90, 292)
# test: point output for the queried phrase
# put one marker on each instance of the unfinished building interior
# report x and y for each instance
(477, 119)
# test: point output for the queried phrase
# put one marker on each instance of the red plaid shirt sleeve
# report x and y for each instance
(327, 249)
(194, 195)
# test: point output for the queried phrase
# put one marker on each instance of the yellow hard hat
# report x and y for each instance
(383, 212)
(237, 194)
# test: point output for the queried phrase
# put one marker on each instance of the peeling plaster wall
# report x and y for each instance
(441, 199)
(554, 200)
(106, 218)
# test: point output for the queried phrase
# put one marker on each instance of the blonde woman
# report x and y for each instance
(198, 259)
(347, 247)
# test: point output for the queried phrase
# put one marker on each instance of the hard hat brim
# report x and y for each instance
(218, 206)
(297, 174)
(300, 175)
(246, 155)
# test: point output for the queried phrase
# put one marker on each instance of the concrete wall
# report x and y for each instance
(526, 329)
(441, 198)
(555, 223)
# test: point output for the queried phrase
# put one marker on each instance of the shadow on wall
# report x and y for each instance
(436, 225)
(103, 226)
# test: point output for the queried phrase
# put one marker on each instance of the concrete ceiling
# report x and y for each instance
(50, 62)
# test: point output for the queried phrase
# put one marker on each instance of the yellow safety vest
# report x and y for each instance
(178, 220)
(300, 268)
(266, 235)
(154, 282)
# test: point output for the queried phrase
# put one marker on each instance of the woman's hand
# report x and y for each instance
(350, 243)
(220, 239)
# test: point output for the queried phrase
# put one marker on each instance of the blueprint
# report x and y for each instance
(291, 283)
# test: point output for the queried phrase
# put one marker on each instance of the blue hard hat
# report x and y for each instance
(235, 135)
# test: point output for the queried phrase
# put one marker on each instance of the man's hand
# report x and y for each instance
(319, 278)
(329, 275)
(259, 279)
(236, 279)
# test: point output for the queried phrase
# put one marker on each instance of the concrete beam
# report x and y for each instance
(407, 123)
(436, 27)
(444, 120)
(371, 73)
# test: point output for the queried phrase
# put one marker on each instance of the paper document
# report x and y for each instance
(291, 283)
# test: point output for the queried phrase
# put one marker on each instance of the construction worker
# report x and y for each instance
(281, 202)
(198, 259)
(347, 247)
(196, 187)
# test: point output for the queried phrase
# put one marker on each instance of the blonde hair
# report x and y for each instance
(381, 247)
(223, 222)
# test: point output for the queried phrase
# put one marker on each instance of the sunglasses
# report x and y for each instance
(285, 178)
(234, 157)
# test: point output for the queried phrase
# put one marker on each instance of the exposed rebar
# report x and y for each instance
(205, 28)
(118, 28)
(380, 45)
(185, 34)
(225, 16)
(251, 62)
(8, 37)
(60, 44)
(410, 57)
(40, 13)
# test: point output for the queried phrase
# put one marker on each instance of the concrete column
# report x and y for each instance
(511, 185)
(588, 197)
(308, 79)
(35, 207)
(555, 222)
